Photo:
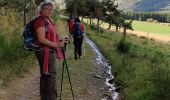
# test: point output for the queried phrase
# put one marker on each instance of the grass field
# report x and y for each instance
(151, 27)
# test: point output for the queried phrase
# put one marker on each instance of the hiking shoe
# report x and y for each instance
(75, 57)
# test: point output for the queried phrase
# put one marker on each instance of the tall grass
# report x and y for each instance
(143, 71)
(14, 60)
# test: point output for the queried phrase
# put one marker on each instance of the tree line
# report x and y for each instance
(143, 16)
(22, 8)
(102, 10)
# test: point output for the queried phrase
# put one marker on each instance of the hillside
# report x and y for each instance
(144, 5)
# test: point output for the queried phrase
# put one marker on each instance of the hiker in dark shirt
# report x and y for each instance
(77, 33)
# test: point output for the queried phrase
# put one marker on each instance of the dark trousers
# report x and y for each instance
(48, 83)
(78, 46)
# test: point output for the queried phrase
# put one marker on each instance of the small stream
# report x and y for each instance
(102, 61)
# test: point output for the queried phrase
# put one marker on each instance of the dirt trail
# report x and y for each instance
(86, 85)
(24, 88)
(85, 76)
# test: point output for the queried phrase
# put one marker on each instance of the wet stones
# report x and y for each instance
(107, 96)
(117, 89)
(111, 81)
(106, 74)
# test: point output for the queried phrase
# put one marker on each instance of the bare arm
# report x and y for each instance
(41, 38)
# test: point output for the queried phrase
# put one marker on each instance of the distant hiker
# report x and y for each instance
(49, 42)
(70, 23)
(78, 30)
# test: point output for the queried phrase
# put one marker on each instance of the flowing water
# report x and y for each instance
(107, 73)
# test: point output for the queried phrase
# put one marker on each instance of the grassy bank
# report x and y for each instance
(141, 67)
(14, 60)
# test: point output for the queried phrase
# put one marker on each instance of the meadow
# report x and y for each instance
(148, 27)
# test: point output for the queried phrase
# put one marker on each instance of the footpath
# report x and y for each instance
(85, 76)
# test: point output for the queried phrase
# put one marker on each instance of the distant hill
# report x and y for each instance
(144, 5)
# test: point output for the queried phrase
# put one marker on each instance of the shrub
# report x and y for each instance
(123, 46)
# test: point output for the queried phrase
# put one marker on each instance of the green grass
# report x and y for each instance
(151, 27)
(14, 59)
(143, 71)
(82, 71)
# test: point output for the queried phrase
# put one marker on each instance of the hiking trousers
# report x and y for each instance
(48, 83)
(78, 46)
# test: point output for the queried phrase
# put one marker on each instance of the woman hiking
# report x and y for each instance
(49, 42)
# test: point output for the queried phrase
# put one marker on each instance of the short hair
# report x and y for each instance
(46, 3)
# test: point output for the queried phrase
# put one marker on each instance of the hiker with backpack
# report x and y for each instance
(77, 34)
(70, 23)
(49, 44)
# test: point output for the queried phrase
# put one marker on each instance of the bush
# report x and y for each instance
(123, 46)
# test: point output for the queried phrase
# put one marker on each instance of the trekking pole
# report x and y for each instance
(62, 80)
(65, 64)
(84, 46)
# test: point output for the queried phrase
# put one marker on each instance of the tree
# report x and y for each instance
(109, 12)
(126, 25)
(76, 7)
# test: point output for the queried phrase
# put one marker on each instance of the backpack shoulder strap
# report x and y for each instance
(45, 22)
